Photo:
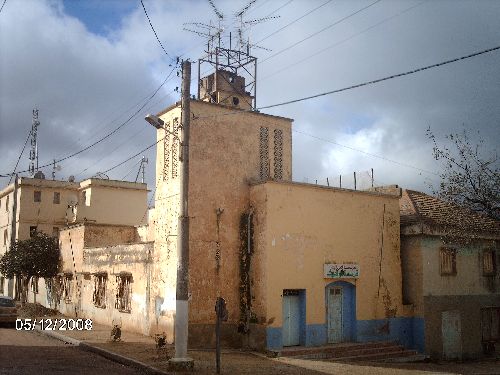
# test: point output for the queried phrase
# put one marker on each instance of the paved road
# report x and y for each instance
(32, 353)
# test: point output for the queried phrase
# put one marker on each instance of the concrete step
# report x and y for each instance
(354, 352)
(386, 356)
(331, 349)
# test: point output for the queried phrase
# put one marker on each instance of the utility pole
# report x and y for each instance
(181, 360)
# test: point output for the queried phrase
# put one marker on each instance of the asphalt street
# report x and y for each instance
(26, 352)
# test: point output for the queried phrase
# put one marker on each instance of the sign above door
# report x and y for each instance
(341, 271)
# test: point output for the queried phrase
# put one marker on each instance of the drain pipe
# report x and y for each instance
(249, 251)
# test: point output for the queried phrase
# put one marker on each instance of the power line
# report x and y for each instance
(320, 31)
(366, 153)
(133, 156)
(4, 1)
(154, 31)
(132, 137)
(384, 79)
(112, 132)
(343, 40)
(21, 154)
(291, 23)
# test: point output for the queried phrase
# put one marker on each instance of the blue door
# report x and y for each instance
(334, 313)
(291, 318)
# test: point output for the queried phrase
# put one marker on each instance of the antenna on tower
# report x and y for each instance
(142, 167)
(235, 70)
(55, 167)
(34, 145)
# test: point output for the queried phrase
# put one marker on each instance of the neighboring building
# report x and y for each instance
(106, 276)
(49, 206)
(450, 262)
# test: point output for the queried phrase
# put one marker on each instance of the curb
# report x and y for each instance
(104, 353)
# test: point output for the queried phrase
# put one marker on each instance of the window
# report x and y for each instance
(84, 197)
(448, 261)
(278, 154)
(99, 296)
(7, 203)
(124, 292)
(65, 287)
(264, 153)
(5, 237)
(2, 284)
(57, 197)
(489, 263)
(34, 284)
(37, 196)
(55, 232)
(33, 230)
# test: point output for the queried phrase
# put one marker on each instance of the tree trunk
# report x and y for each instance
(24, 290)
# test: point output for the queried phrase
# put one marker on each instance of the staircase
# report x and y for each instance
(367, 351)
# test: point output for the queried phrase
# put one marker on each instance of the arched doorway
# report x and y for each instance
(340, 302)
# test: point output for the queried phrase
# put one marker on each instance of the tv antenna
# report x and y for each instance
(235, 59)
(55, 168)
(34, 145)
(142, 168)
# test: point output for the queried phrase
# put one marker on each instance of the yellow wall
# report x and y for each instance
(302, 227)
(224, 158)
(113, 202)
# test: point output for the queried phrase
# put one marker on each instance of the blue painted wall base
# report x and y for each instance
(409, 332)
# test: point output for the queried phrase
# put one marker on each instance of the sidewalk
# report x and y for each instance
(140, 351)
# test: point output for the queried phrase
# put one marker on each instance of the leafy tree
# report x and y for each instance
(468, 178)
(37, 256)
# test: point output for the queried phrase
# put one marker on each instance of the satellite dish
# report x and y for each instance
(71, 178)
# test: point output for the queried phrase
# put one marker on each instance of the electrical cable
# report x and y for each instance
(296, 20)
(364, 152)
(131, 169)
(343, 40)
(383, 79)
(109, 134)
(154, 31)
(130, 138)
(4, 1)
(320, 31)
(133, 156)
(321, 94)
(20, 155)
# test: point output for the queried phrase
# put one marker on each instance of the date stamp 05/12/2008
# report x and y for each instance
(50, 324)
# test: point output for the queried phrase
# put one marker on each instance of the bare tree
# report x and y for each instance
(468, 177)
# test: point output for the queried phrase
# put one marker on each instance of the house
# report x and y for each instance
(107, 276)
(450, 260)
(37, 204)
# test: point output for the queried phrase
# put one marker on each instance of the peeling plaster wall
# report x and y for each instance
(224, 157)
(135, 259)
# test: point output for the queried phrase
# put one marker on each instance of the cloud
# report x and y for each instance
(87, 81)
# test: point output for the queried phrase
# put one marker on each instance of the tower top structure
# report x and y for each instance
(231, 78)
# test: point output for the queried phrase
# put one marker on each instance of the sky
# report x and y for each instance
(91, 66)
